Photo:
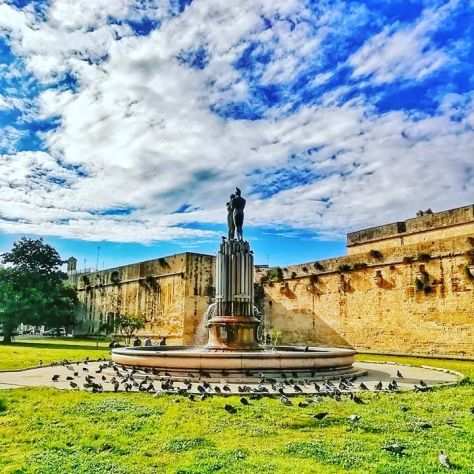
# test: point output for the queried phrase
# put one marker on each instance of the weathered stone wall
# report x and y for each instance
(426, 228)
(416, 299)
(168, 293)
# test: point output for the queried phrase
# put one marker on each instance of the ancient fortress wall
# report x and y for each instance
(406, 287)
(168, 293)
(411, 293)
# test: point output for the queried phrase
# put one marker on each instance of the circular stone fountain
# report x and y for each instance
(233, 351)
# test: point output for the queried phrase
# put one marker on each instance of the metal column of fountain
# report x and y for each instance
(233, 325)
(233, 351)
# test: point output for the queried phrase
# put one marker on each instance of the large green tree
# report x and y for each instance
(32, 288)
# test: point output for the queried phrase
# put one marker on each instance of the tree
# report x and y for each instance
(32, 288)
(128, 326)
(34, 256)
(9, 302)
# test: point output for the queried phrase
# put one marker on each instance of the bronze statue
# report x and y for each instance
(238, 205)
(230, 218)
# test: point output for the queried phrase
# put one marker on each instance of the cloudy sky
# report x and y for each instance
(125, 124)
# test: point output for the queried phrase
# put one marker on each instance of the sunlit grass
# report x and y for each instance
(31, 352)
(50, 431)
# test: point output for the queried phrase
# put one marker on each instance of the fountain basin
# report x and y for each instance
(191, 359)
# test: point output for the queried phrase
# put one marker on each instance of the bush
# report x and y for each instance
(344, 267)
(424, 257)
(376, 254)
(318, 266)
(360, 266)
(275, 274)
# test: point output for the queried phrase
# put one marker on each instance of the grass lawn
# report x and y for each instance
(47, 431)
(29, 352)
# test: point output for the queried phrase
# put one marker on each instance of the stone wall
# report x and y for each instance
(169, 293)
(403, 288)
(411, 299)
(426, 228)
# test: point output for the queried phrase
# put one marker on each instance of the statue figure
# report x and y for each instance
(230, 218)
(238, 205)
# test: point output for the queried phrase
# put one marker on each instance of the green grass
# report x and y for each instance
(46, 431)
(29, 352)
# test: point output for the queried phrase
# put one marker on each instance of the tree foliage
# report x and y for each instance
(125, 325)
(32, 288)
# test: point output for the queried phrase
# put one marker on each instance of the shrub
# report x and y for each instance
(318, 266)
(313, 279)
(275, 274)
(407, 259)
(344, 267)
(424, 257)
(360, 266)
(376, 254)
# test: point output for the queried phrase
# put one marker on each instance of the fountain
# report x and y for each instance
(233, 351)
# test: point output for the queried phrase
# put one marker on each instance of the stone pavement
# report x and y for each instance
(372, 374)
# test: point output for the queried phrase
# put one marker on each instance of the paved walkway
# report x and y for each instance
(77, 373)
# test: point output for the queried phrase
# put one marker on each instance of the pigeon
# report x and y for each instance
(297, 388)
(362, 386)
(116, 386)
(69, 378)
(399, 374)
(321, 415)
(354, 418)
(404, 408)
(73, 384)
(393, 385)
(230, 409)
(244, 401)
(395, 448)
(444, 460)
(357, 399)
(423, 383)
(285, 400)
(425, 425)
(379, 386)
(55, 377)
(421, 388)
(303, 404)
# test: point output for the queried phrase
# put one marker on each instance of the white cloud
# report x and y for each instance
(139, 132)
(403, 51)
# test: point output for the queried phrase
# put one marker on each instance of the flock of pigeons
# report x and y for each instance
(82, 375)
(148, 380)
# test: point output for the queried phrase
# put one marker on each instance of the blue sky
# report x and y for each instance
(126, 124)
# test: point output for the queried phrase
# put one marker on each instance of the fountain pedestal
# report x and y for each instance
(234, 325)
